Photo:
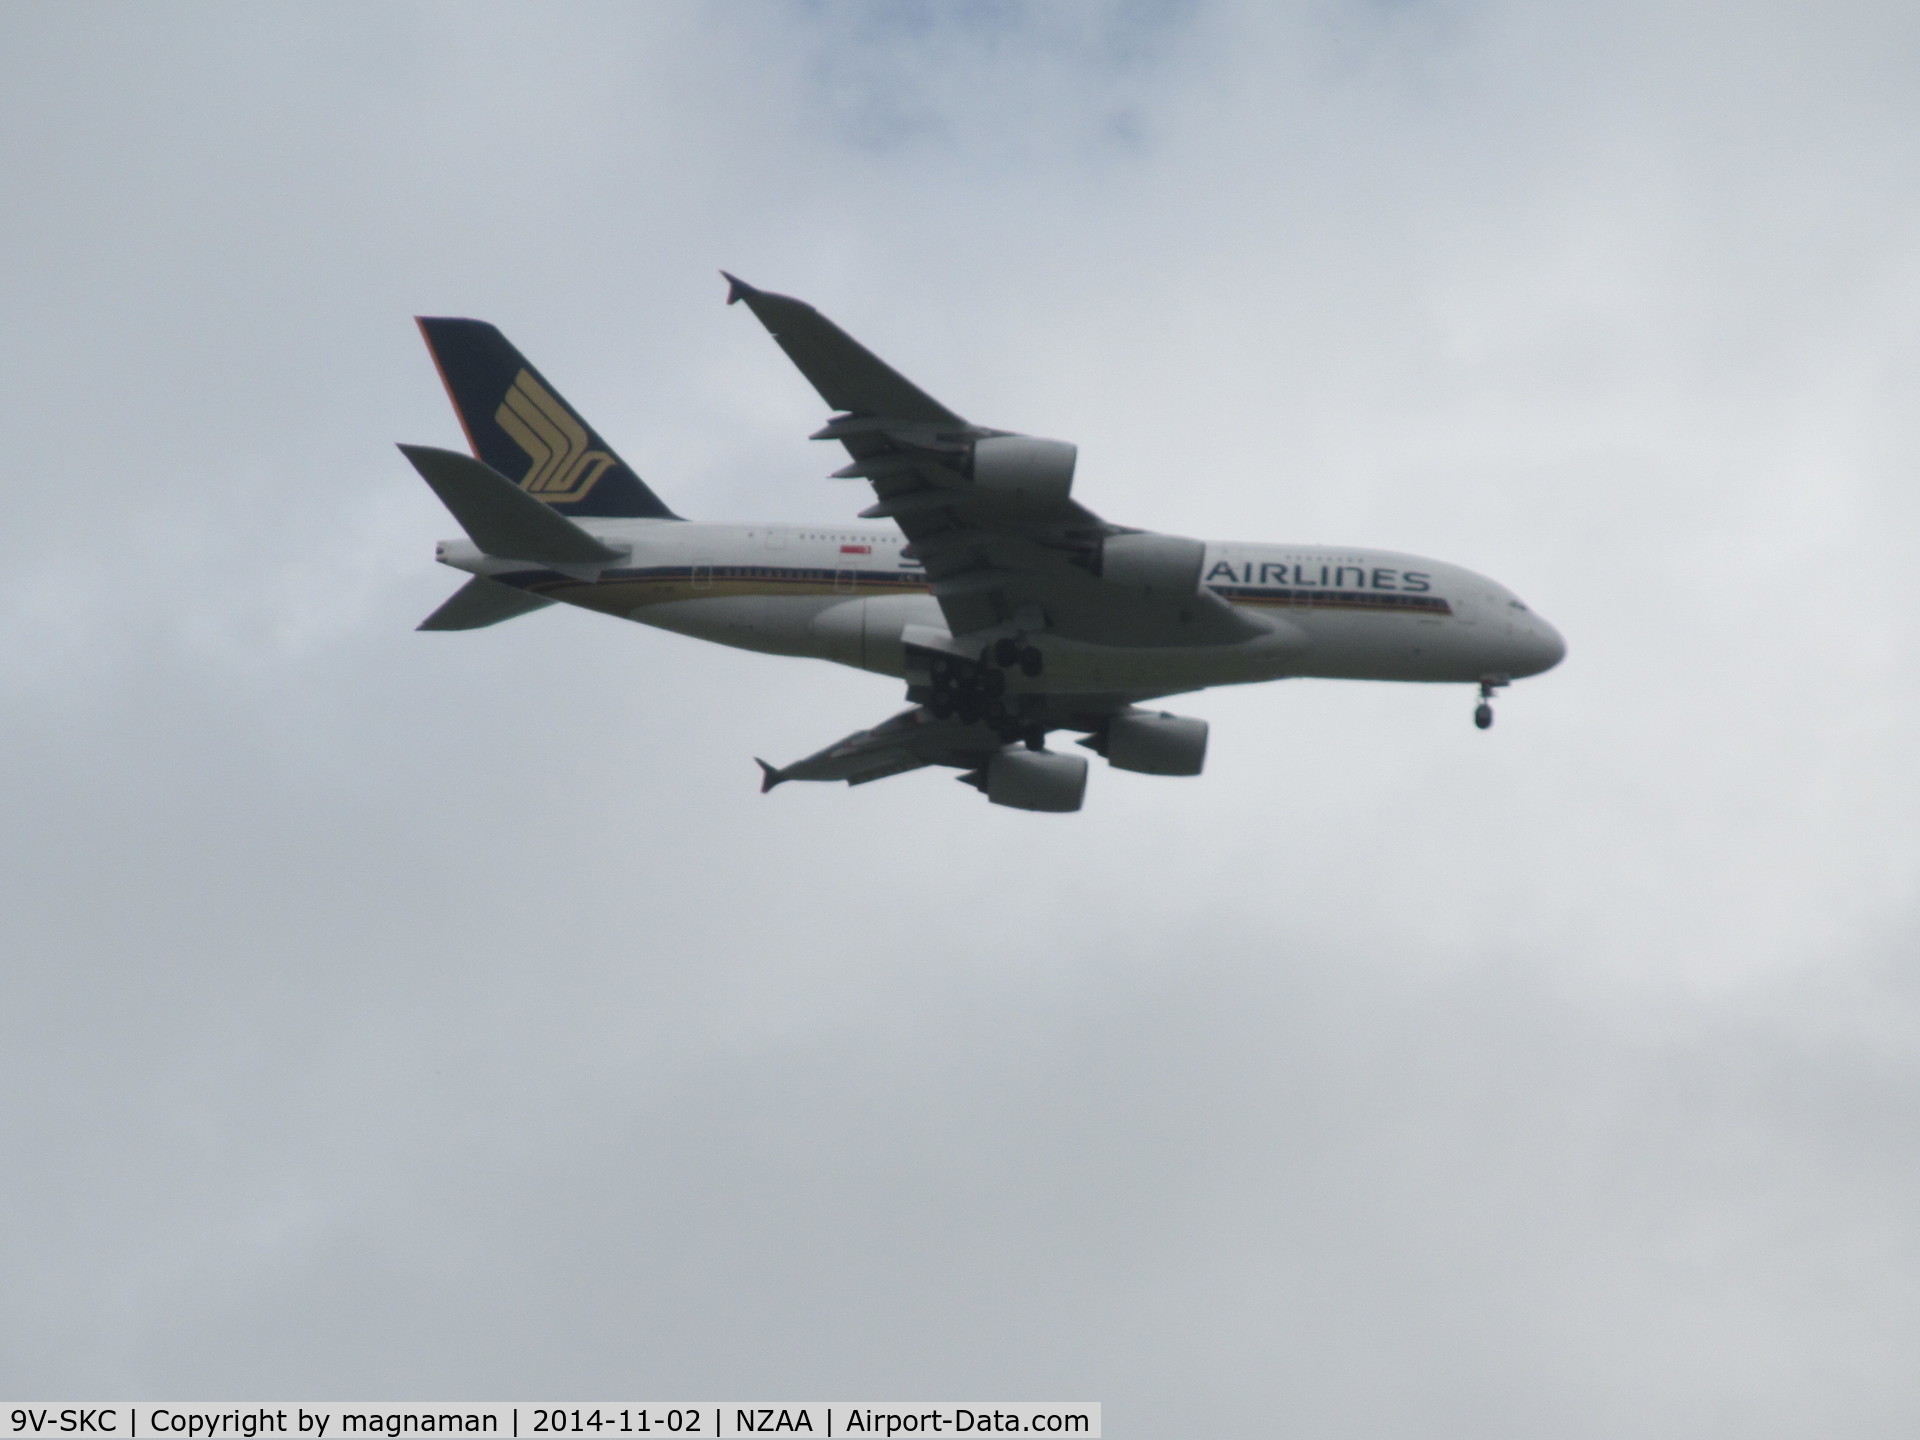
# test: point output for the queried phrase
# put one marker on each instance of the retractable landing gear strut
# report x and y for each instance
(1483, 712)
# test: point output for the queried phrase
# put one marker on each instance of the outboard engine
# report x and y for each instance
(1156, 743)
(1165, 565)
(1035, 474)
(1033, 780)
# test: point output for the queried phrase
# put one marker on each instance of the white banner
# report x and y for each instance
(706, 1419)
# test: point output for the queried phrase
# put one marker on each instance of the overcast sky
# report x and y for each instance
(387, 1015)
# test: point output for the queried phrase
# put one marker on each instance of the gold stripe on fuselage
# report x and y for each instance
(623, 594)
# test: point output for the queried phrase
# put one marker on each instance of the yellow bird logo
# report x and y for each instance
(563, 469)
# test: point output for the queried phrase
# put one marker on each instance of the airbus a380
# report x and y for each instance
(1010, 610)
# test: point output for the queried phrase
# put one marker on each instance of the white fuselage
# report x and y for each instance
(844, 593)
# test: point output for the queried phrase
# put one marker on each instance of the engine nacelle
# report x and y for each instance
(1036, 474)
(1156, 743)
(1037, 780)
(1165, 565)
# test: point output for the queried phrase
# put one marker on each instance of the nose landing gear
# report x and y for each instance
(1483, 712)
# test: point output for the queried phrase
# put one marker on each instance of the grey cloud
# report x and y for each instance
(398, 1015)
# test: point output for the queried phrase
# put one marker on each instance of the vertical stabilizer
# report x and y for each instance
(520, 425)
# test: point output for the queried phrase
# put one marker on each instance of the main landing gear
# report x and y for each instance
(1008, 652)
(1483, 712)
(975, 691)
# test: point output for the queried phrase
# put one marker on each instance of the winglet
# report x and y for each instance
(769, 776)
(737, 289)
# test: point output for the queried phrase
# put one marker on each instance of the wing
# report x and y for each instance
(1025, 777)
(989, 513)
(909, 741)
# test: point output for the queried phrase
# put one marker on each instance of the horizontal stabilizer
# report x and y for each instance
(848, 375)
(482, 602)
(500, 517)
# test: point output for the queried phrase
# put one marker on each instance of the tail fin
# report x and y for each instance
(519, 425)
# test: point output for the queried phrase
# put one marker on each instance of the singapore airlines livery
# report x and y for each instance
(1009, 609)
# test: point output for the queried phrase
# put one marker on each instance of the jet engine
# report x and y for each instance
(1034, 780)
(1156, 743)
(1165, 565)
(1030, 472)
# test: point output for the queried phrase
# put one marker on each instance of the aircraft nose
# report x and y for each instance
(1545, 647)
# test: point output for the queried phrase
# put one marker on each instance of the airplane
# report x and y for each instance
(1010, 610)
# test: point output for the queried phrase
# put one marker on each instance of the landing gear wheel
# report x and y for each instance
(1036, 738)
(1006, 652)
(1483, 712)
(1031, 662)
